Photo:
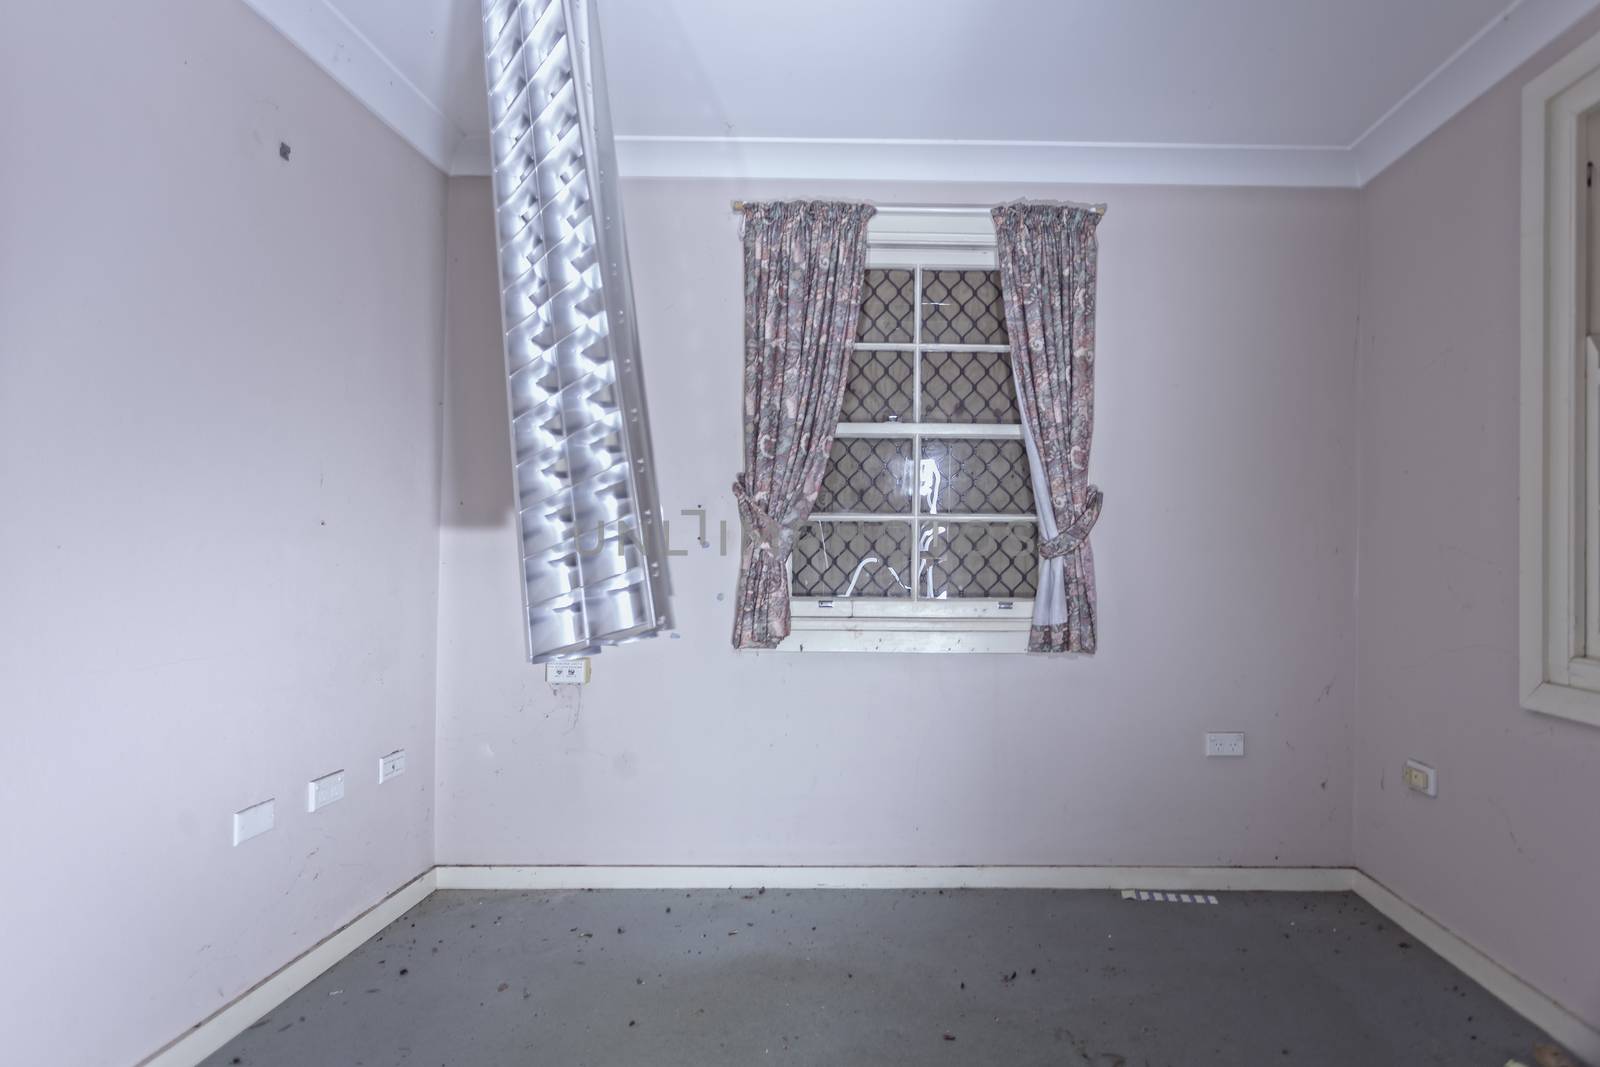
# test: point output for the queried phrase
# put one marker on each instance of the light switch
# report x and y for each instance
(320, 792)
(567, 671)
(253, 821)
(392, 764)
(1224, 744)
(1421, 778)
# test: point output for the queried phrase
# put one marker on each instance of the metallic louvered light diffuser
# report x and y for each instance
(593, 550)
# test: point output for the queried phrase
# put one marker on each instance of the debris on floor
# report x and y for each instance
(1546, 1055)
(678, 988)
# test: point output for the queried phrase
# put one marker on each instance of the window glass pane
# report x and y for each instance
(879, 388)
(961, 475)
(968, 387)
(837, 559)
(867, 474)
(978, 559)
(886, 306)
(962, 307)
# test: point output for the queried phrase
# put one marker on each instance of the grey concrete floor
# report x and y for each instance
(662, 977)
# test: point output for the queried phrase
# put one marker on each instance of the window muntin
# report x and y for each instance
(927, 498)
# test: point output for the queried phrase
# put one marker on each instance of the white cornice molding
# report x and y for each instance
(824, 159)
(333, 44)
(1494, 52)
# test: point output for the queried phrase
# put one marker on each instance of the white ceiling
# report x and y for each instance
(1301, 92)
(1293, 72)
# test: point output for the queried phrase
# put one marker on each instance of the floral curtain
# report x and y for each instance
(1046, 255)
(804, 262)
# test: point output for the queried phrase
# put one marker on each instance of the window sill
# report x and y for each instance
(885, 635)
(863, 625)
(1552, 698)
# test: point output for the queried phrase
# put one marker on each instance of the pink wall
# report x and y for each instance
(219, 387)
(1507, 855)
(1227, 452)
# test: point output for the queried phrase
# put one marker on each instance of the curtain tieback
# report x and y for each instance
(1077, 529)
(762, 530)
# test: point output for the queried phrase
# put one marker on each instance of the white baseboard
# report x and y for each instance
(232, 1020)
(1578, 1036)
(1214, 879)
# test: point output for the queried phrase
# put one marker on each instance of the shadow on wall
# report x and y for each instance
(477, 486)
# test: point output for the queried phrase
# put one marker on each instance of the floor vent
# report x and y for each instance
(1168, 898)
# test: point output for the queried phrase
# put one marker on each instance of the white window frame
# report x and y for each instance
(914, 239)
(1559, 596)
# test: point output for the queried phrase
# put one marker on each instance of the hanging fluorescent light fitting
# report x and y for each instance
(592, 541)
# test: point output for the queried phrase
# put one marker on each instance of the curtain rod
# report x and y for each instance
(930, 209)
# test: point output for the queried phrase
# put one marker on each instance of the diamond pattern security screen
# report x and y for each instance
(927, 495)
(592, 544)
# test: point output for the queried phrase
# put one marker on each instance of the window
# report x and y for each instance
(924, 535)
(1559, 661)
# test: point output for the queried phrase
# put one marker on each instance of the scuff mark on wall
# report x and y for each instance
(569, 702)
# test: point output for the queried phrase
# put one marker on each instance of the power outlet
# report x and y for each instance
(1421, 778)
(1225, 744)
(567, 671)
(320, 792)
(253, 821)
(392, 764)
